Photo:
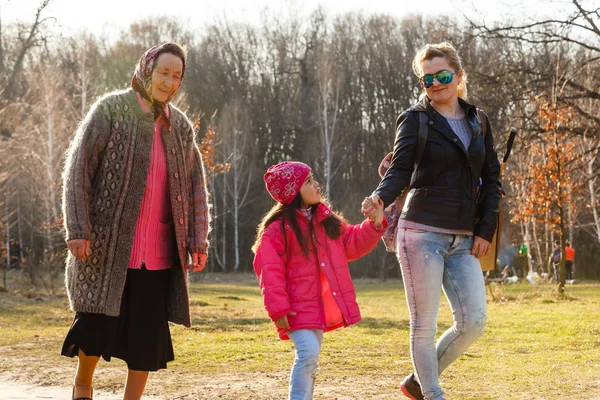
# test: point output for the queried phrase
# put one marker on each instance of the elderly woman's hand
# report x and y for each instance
(198, 262)
(80, 248)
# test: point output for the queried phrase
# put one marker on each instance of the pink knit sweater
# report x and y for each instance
(153, 244)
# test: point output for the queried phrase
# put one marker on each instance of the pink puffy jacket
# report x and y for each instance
(318, 289)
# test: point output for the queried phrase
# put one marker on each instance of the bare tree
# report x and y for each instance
(238, 150)
(329, 88)
(577, 31)
(30, 37)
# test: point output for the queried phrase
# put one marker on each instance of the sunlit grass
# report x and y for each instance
(536, 346)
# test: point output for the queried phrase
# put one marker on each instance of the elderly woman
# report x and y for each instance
(135, 208)
(447, 221)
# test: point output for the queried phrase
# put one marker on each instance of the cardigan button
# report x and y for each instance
(173, 150)
(181, 221)
(334, 293)
(183, 244)
(322, 264)
(176, 175)
(178, 197)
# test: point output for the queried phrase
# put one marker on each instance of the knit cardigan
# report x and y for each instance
(103, 185)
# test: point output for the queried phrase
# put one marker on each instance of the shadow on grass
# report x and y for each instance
(543, 294)
(231, 298)
(198, 303)
(225, 291)
(208, 323)
(383, 324)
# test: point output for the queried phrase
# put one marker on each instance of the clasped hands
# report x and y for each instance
(372, 208)
(81, 248)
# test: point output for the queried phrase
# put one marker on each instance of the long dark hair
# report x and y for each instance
(288, 214)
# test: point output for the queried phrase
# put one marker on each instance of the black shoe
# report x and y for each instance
(411, 388)
(83, 398)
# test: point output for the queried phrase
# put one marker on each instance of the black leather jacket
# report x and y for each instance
(444, 187)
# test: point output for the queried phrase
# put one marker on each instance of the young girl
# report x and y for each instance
(302, 252)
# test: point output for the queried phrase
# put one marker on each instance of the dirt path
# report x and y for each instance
(13, 390)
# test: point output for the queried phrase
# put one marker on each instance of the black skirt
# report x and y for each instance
(139, 335)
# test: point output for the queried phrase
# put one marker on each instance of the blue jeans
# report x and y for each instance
(430, 261)
(307, 345)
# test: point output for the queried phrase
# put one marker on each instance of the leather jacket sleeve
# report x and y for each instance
(397, 177)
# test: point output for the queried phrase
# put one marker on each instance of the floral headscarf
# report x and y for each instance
(141, 81)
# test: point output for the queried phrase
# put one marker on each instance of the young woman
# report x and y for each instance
(302, 252)
(134, 191)
(447, 221)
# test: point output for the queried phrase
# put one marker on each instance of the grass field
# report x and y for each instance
(536, 346)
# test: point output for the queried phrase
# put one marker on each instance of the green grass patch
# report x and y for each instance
(537, 345)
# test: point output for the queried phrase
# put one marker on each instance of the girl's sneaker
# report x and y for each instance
(411, 388)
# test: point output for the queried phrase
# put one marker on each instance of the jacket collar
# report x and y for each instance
(322, 212)
(424, 105)
(439, 122)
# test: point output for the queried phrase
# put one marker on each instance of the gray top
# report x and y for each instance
(462, 129)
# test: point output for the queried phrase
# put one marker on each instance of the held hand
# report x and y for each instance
(80, 248)
(198, 262)
(480, 247)
(377, 214)
(282, 322)
(368, 207)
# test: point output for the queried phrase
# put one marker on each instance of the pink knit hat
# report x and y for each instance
(285, 179)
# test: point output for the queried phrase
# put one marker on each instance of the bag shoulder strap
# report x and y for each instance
(482, 120)
(422, 138)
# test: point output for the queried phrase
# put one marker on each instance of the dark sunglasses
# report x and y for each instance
(444, 77)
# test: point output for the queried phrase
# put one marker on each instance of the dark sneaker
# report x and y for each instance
(411, 388)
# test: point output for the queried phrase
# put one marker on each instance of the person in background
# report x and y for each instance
(569, 258)
(523, 262)
(134, 192)
(555, 259)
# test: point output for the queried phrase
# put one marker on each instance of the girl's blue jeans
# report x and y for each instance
(307, 346)
(429, 262)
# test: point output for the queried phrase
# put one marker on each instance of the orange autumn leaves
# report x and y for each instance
(548, 179)
(207, 148)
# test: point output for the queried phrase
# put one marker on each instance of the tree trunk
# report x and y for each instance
(236, 209)
(593, 201)
(50, 159)
(1, 46)
(561, 219)
(224, 225)
(84, 80)
(7, 234)
(20, 233)
(529, 248)
(27, 44)
(538, 249)
(215, 233)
